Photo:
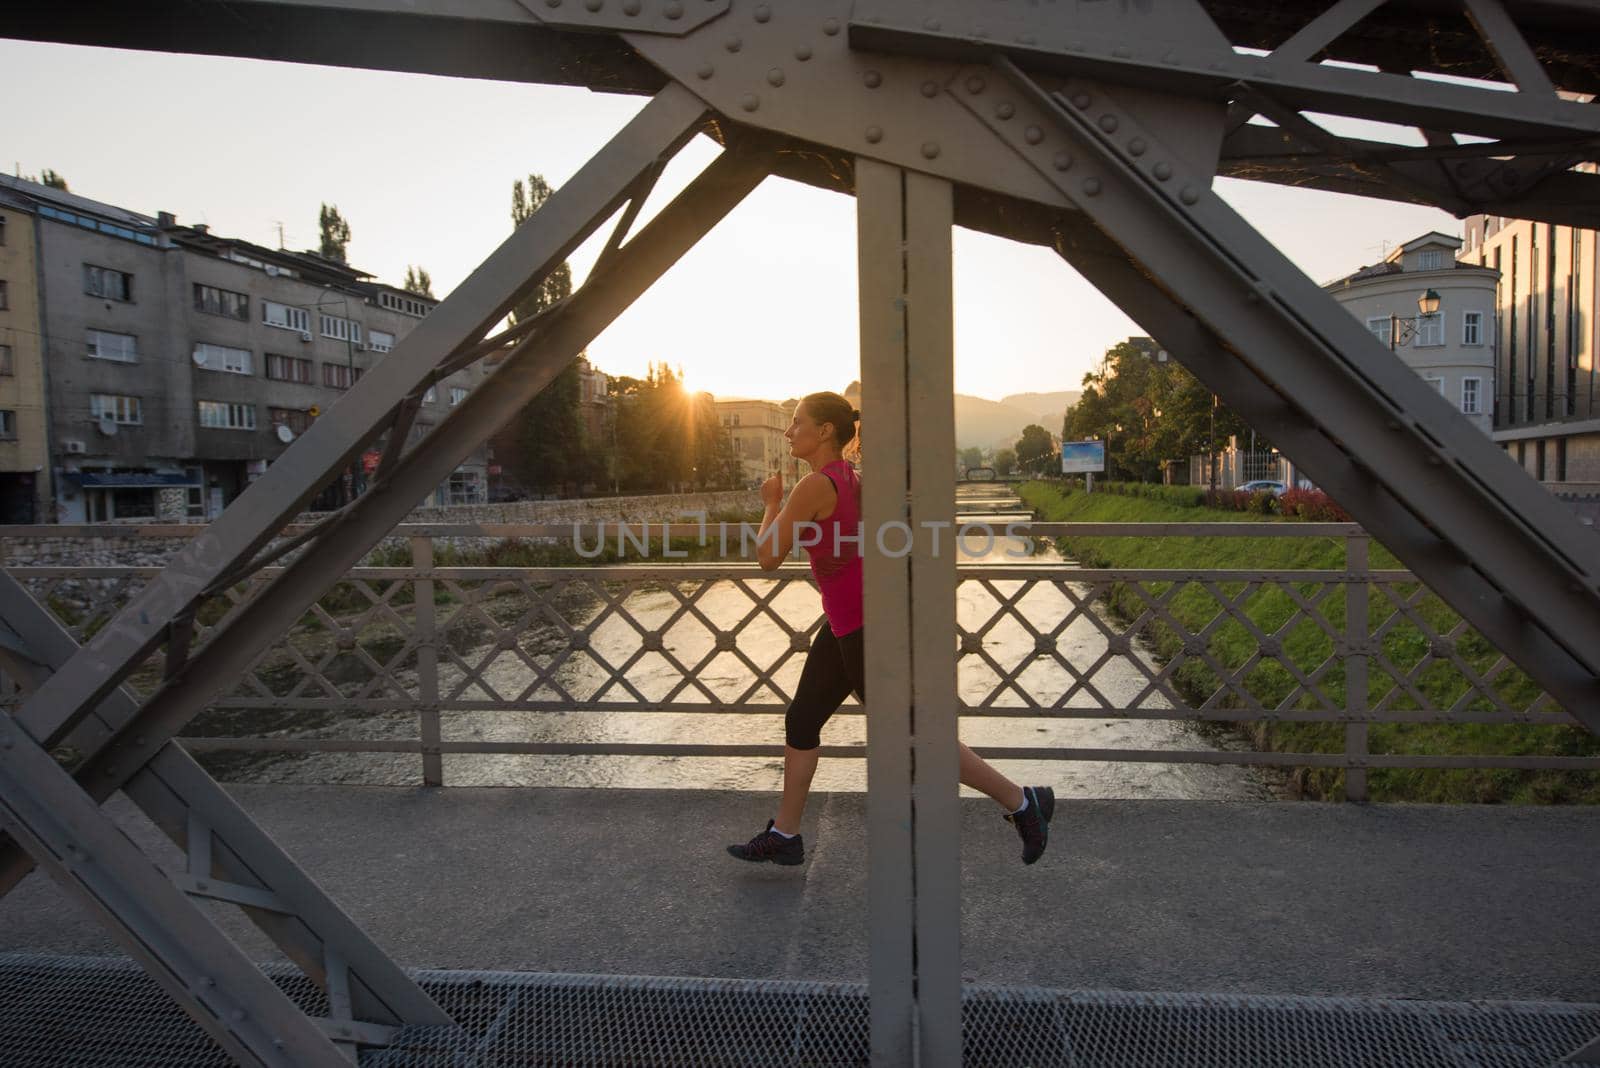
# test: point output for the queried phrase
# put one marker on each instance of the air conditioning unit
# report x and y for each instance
(75, 448)
(305, 335)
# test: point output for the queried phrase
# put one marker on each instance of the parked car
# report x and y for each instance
(1263, 485)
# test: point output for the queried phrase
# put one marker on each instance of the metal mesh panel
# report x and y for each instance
(72, 1011)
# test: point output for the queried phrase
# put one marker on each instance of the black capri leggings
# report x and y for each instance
(834, 667)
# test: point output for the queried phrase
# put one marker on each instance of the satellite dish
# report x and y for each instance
(107, 424)
(285, 435)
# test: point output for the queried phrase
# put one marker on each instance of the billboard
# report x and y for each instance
(1078, 457)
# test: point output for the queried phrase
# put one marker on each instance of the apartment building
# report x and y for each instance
(24, 448)
(1436, 314)
(180, 364)
(1547, 399)
(756, 428)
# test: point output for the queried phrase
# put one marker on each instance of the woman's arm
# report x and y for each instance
(780, 526)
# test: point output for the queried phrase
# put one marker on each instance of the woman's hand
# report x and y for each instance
(772, 491)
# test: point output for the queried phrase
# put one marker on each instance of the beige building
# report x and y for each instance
(24, 446)
(1547, 401)
(756, 427)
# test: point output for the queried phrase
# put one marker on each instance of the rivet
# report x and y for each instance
(930, 150)
(802, 53)
(202, 885)
(552, 3)
(1108, 123)
(749, 101)
(1033, 135)
(930, 89)
(1082, 101)
(1091, 187)
(932, 24)
(1063, 160)
(1189, 195)
(830, 27)
(630, 7)
(1122, 52)
(1004, 110)
(775, 77)
(763, 13)
(207, 981)
(1137, 146)
(1162, 171)
(976, 84)
(344, 1031)
(872, 79)
(705, 72)
(733, 44)
(673, 10)
(874, 134)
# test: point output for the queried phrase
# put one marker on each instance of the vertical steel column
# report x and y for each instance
(903, 227)
(1355, 663)
(427, 660)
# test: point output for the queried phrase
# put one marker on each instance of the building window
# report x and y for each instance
(5, 295)
(1472, 328)
(222, 358)
(104, 345)
(339, 375)
(224, 302)
(2, 231)
(340, 329)
(431, 396)
(220, 415)
(1538, 459)
(464, 488)
(1430, 330)
(107, 284)
(293, 418)
(379, 341)
(457, 395)
(290, 368)
(1471, 390)
(404, 305)
(1380, 326)
(8, 424)
(125, 410)
(8, 364)
(286, 316)
(1430, 259)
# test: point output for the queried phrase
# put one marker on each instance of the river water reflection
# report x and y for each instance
(1008, 642)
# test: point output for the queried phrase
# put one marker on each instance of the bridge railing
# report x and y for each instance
(397, 659)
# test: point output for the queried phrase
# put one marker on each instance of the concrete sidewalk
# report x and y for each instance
(1430, 902)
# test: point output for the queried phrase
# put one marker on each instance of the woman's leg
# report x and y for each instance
(983, 777)
(824, 684)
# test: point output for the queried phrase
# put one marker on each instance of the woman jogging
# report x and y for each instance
(823, 433)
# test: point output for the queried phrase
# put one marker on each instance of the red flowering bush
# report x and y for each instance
(1313, 506)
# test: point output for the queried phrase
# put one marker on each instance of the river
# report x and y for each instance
(1082, 643)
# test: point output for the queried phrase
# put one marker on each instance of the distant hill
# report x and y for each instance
(998, 424)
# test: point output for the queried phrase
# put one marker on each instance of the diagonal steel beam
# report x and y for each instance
(1500, 34)
(533, 250)
(532, 366)
(172, 789)
(1540, 569)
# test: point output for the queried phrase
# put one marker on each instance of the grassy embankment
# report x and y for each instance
(1307, 645)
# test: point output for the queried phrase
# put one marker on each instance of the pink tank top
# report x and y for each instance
(836, 563)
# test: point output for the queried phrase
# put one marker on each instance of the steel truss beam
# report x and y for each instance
(1467, 504)
(229, 857)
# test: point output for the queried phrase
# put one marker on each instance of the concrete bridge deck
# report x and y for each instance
(1431, 902)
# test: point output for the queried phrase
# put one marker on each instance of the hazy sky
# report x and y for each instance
(422, 168)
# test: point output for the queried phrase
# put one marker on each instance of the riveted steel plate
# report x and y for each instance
(673, 18)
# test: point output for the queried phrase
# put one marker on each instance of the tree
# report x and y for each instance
(1033, 446)
(972, 457)
(335, 233)
(544, 443)
(49, 178)
(1147, 411)
(1004, 461)
(418, 282)
(667, 437)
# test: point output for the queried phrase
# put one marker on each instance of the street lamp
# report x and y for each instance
(1427, 305)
